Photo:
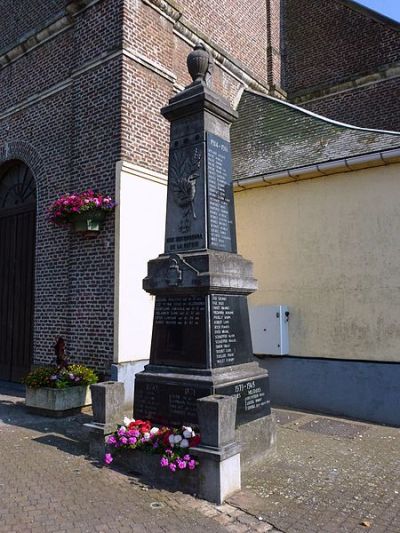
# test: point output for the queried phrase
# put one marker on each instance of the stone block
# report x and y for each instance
(107, 402)
(217, 415)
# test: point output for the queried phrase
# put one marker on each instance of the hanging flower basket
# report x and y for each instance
(85, 211)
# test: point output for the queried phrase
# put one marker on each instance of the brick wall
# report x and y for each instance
(20, 16)
(149, 34)
(75, 134)
(240, 28)
(327, 42)
(374, 106)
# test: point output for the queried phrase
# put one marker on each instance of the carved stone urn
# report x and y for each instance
(198, 62)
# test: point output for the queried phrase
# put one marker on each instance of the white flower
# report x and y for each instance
(171, 439)
(188, 432)
(177, 439)
(184, 443)
(154, 431)
(127, 421)
(146, 436)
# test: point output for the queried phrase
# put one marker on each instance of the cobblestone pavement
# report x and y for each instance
(48, 484)
(329, 475)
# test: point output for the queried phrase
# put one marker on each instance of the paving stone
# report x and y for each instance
(327, 480)
(49, 485)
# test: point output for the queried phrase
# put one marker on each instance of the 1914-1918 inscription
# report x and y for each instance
(179, 335)
(230, 330)
(221, 217)
(252, 399)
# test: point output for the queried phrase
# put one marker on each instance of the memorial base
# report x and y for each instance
(257, 441)
(168, 395)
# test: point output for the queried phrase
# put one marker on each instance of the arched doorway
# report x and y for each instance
(17, 260)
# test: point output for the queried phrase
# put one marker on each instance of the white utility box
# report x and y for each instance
(269, 329)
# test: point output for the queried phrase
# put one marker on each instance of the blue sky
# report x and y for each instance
(390, 8)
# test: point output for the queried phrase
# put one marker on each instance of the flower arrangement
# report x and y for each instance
(57, 377)
(63, 210)
(170, 443)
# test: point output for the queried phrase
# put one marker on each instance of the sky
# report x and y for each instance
(390, 8)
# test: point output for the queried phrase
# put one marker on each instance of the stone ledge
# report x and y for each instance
(50, 28)
(384, 73)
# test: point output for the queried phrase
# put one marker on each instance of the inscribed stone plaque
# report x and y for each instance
(185, 225)
(165, 403)
(252, 399)
(179, 331)
(230, 330)
(221, 214)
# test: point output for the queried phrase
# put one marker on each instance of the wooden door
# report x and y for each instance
(17, 252)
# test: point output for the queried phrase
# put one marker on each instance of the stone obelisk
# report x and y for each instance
(201, 341)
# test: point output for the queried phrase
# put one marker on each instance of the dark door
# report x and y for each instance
(17, 252)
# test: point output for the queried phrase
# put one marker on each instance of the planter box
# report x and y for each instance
(57, 402)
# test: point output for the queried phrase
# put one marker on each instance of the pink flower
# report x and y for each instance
(132, 440)
(123, 440)
(172, 467)
(111, 440)
(164, 462)
(186, 457)
(192, 464)
(182, 464)
(108, 458)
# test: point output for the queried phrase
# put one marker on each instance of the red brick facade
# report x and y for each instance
(86, 93)
(73, 105)
(334, 43)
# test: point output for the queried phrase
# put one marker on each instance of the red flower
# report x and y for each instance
(165, 437)
(194, 441)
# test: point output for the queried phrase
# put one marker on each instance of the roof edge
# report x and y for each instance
(325, 168)
(379, 17)
(320, 117)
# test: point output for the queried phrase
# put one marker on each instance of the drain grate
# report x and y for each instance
(334, 428)
(156, 505)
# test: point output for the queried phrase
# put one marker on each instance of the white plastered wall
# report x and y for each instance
(329, 248)
(139, 236)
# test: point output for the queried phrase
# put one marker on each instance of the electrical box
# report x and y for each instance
(269, 329)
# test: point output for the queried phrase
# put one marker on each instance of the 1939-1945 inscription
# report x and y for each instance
(252, 399)
(176, 404)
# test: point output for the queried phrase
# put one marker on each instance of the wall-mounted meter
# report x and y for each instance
(269, 329)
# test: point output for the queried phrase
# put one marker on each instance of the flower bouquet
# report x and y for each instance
(170, 443)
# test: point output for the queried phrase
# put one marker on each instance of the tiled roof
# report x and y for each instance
(272, 136)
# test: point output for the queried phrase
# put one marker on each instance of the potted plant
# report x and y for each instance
(84, 211)
(59, 390)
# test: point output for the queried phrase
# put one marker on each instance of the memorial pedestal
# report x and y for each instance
(201, 342)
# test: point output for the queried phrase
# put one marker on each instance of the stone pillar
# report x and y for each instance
(201, 343)
(218, 452)
(107, 405)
